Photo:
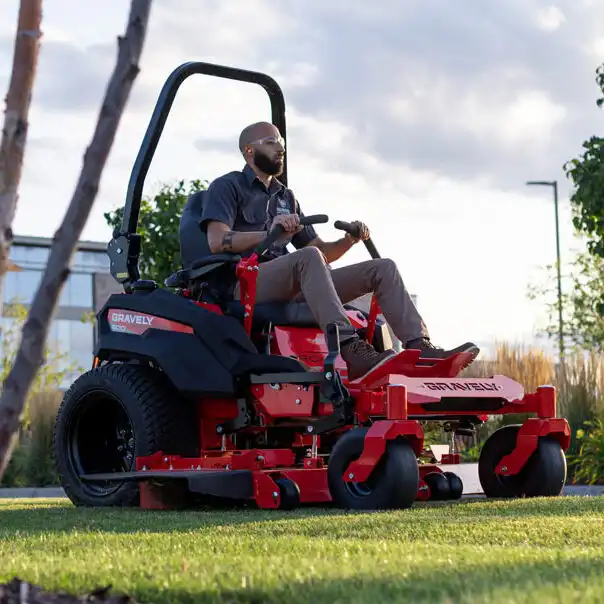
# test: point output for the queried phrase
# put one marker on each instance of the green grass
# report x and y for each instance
(533, 551)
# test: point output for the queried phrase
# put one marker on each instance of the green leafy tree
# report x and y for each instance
(158, 223)
(587, 175)
(583, 294)
(582, 308)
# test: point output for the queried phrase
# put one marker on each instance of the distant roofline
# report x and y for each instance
(84, 246)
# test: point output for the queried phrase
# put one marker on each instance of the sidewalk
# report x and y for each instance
(26, 493)
(467, 472)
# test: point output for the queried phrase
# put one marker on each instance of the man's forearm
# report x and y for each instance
(235, 242)
(334, 250)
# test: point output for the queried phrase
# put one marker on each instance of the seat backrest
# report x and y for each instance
(193, 241)
(221, 280)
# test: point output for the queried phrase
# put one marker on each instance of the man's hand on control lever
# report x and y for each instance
(290, 223)
(363, 232)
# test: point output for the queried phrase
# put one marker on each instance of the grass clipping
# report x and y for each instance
(22, 592)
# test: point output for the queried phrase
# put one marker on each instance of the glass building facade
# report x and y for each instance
(85, 291)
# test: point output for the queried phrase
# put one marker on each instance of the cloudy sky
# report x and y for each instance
(422, 118)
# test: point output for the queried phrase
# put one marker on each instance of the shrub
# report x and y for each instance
(588, 463)
(31, 463)
(52, 373)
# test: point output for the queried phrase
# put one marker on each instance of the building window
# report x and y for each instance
(73, 341)
(21, 287)
(77, 291)
(91, 261)
(82, 338)
(26, 254)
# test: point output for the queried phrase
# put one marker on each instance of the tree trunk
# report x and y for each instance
(14, 130)
(29, 357)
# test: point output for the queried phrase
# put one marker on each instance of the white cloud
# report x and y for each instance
(493, 115)
(550, 18)
(596, 47)
(527, 120)
(297, 75)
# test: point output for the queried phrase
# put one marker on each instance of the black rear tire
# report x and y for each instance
(544, 474)
(111, 415)
(392, 484)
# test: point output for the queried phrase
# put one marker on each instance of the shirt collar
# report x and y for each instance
(251, 177)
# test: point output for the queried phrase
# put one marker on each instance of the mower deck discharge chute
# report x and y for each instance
(196, 397)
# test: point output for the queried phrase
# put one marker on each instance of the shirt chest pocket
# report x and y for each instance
(254, 214)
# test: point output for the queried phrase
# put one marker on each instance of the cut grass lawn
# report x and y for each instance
(533, 551)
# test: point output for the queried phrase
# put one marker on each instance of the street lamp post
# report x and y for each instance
(554, 185)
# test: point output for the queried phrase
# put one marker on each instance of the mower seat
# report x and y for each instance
(182, 278)
(294, 314)
(199, 261)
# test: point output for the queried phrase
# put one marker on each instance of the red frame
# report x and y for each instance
(394, 398)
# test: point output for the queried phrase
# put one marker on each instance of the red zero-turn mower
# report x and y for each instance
(195, 397)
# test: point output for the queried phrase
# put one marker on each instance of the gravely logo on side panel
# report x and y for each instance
(125, 321)
(463, 386)
(121, 317)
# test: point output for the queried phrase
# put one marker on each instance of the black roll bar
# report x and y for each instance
(160, 115)
(124, 248)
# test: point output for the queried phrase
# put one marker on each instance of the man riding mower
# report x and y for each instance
(239, 209)
(230, 382)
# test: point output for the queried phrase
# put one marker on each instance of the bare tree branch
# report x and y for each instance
(30, 354)
(14, 130)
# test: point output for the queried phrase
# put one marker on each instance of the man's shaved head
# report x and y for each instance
(263, 148)
(256, 131)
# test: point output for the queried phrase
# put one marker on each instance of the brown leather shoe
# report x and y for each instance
(429, 351)
(361, 358)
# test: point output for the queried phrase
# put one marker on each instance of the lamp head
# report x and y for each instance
(549, 183)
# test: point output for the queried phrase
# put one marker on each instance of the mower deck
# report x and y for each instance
(403, 401)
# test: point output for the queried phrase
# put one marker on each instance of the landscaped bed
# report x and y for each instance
(547, 550)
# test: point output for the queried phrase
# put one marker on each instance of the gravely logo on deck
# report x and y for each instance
(129, 319)
(463, 386)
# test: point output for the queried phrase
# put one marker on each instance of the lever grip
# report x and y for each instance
(315, 219)
(347, 227)
(278, 230)
(354, 230)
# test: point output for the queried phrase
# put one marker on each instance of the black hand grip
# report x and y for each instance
(278, 230)
(354, 230)
(347, 227)
(315, 219)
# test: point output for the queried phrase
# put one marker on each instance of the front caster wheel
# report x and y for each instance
(455, 485)
(439, 486)
(543, 475)
(289, 494)
(393, 483)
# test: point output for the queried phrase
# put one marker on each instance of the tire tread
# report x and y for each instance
(166, 422)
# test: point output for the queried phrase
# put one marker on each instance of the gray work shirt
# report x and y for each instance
(241, 200)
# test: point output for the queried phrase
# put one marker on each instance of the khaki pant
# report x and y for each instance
(304, 276)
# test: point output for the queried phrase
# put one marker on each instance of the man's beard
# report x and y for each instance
(268, 165)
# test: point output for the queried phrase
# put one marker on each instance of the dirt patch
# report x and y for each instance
(22, 592)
